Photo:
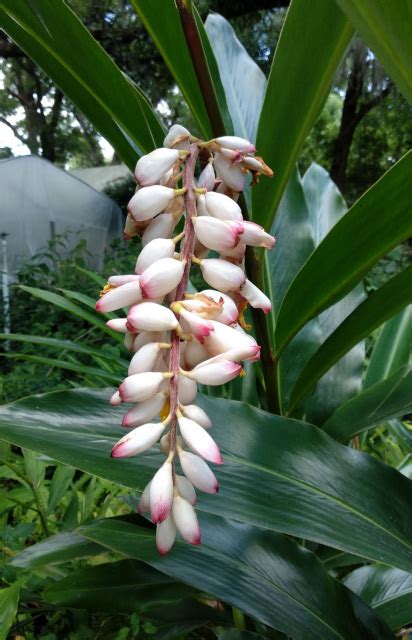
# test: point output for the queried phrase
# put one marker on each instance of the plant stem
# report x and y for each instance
(238, 619)
(187, 254)
(201, 66)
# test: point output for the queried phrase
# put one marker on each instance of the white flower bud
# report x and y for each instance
(149, 316)
(129, 341)
(194, 354)
(215, 373)
(232, 174)
(187, 390)
(144, 411)
(155, 250)
(148, 336)
(229, 313)
(255, 236)
(165, 535)
(256, 298)
(220, 206)
(161, 227)
(138, 440)
(222, 275)
(149, 201)
(161, 493)
(145, 359)
(117, 281)
(224, 338)
(151, 167)
(197, 471)
(177, 137)
(207, 178)
(197, 414)
(186, 489)
(123, 296)
(161, 277)
(117, 324)
(115, 400)
(186, 520)
(199, 327)
(216, 234)
(140, 386)
(199, 441)
(257, 164)
(237, 253)
(236, 143)
(144, 502)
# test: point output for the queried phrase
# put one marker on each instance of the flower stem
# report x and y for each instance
(186, 256)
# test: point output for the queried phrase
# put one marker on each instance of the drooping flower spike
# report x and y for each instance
(181, 339)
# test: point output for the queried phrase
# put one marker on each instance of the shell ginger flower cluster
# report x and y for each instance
(183, 339)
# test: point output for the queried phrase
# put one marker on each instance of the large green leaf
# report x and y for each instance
(62, 547)
(388, 591)
(387, 29)
(326, 207)
(168, 36)
(243, 81)
(384, 400)
(312, 42)
(267, 576)
(376, 309)
(9, 600)
(279, 474)
(47, 31)
(374, 225)
(393, 348)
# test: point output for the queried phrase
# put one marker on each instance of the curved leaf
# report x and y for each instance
(387, 30)
(376, 309)
(9, 600)
(384, 400)
(265, 575)
(243, 81)
(312, 42)
(392, 349)
(372, 227)
(388, 591)
(279, 474)
(62, 547)
(116, 107)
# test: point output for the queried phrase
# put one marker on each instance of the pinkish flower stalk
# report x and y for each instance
(179, 339)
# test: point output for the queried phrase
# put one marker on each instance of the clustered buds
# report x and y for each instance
(183, 339)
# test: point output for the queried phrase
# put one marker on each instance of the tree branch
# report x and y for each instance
(14, 129)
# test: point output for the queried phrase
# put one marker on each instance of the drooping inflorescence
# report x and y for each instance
(183, 339)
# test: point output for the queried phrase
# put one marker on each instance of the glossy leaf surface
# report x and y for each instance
(279, 474)
(375, 224)
(311, 45)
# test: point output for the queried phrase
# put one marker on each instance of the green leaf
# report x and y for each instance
(392, 349)
(384, 400)
(96, 277)
(243, 81)
(387, 590)
(116, 107)
(279, 474)
(376, 309)
(167, 34)
(9, 600)
(62, 478)
(387, 30)
(267, 576)
(71, 365)
(342, 381)
(372, 227)
(403, 431)
(311, 45)
(57, 549)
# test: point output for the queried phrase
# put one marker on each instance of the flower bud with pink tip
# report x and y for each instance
(255, 236)
(161, 277)
(165, 535)
(229, 311)
(138, 440)
(222, 275)
(198, 472)
(185, 520)
(236, 143)
(151, 167)
(198, 440)
(144, 411)
(149, 316)
(161, 493)
(197, 326)
(207, 178)
(117, 324)
(216, 234)
(220, 206)
(232, 174)
(145, 359)
(256, 298)
(124, 296)
(141, 386)
(215, 373)
(156, 249)
(224, 338)
(149, 201)
(117, 281)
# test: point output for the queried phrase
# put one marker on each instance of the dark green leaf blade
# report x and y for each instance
(279, 474)
(313, 40)
(387, 590)
(57, 549)
(370, 314)
(9, 600)
(372, 227)
(387, 29)
(384, 400)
